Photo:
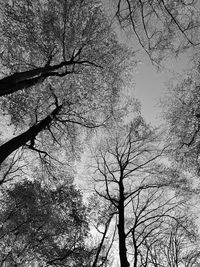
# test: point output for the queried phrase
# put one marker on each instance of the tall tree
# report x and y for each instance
(128, 167)
(60, 53)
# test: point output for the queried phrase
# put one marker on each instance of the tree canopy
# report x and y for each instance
(62, 69)
(40, 225)
(66, 87)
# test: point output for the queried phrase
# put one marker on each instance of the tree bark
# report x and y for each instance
(20, 140)
(121, 229)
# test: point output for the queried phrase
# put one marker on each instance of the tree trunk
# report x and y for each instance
(20, 140)
(26, 79)
(101, 243)
(121, 229)
(135, 251)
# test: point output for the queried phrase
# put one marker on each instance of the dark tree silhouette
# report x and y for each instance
(133, 182)
(116, 165)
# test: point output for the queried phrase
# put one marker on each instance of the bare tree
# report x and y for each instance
(136, 185)
(127, 166)
(177, 245)
(150, 213)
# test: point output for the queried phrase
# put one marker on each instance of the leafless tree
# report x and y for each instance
(176, 246)
(128, 168)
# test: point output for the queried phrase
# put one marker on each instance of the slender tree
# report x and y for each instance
(101, 216)
(125, 157)
(133, 182)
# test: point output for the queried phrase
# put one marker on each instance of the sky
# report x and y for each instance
(150, 85)
(149, 88)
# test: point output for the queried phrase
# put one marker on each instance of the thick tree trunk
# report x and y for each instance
(26, 79)
(20, 140)
(121, 229)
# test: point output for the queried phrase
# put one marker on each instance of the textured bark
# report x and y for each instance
(26, 79)
(121, 229)
(20, 140)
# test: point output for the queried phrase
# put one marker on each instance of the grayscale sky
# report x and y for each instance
(149, 88)
(151, 85)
